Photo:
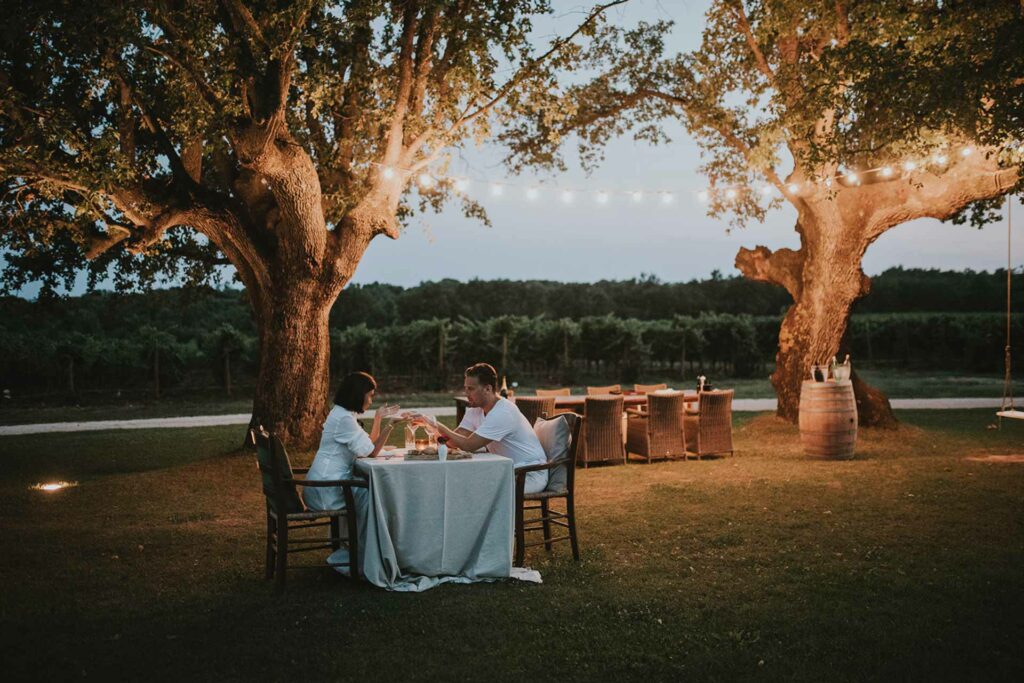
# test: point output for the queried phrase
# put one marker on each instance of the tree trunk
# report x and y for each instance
(292, 386)
(227, 372)
(156, 372)
(813, 330)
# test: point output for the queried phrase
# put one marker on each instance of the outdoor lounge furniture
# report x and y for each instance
(286, 512)
(560, 438)
(545, 393)
(599, 391)
(533, 407)
(602, 439)
(710, 430)
(658, 432)
(648, 388)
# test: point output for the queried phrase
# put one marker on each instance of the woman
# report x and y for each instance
(343, 440)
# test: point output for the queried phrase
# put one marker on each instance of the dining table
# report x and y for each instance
(429, 522)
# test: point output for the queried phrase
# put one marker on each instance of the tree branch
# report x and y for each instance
(783, 267)
(748, 34)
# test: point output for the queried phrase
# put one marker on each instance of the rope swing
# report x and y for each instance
(1007, 408)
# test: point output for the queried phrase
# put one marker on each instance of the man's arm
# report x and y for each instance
(463, 438)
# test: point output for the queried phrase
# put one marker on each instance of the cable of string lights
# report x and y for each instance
(427, 180)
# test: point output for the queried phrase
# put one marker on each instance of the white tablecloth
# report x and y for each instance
(431, 522)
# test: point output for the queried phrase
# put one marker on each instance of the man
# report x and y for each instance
(495, 423)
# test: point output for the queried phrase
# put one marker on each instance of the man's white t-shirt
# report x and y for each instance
(510, 433)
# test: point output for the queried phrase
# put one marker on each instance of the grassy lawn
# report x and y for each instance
(907, 562)
(896, 383)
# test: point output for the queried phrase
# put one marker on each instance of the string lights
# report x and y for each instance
(428, 180)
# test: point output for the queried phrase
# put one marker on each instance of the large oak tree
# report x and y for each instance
(156, 136)
(818, 104)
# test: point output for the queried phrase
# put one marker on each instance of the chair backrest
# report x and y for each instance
(648, 388)
(533, 407)
(665, 412)
(276, 472)
(610, 389)
(545, 393)
(715, 434)
(603, 428)
(559, 435)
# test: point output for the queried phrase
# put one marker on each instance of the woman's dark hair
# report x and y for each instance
(353, 389)
(485, 374)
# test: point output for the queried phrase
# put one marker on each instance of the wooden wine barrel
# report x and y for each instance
(828, 419)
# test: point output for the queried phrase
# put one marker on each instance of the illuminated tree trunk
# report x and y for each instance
(292, 386)
(825, 279)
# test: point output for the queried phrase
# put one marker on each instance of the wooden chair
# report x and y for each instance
(533, 407)
(602, 431)
(648, 388)
(710, 430)
(600, 391)
(551, 393)
(561, 467)
(658, 432)
(287, 513)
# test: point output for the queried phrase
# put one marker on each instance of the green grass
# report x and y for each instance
(903, 563)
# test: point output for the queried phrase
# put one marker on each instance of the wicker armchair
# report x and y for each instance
(657, 433)
(561, 466)
(710, 430)
(533, 407)
(602, 431)
(648, 388)
(546, 393)
(287, 513)
(602, 391)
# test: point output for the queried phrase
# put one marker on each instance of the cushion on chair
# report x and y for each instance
(554, 437)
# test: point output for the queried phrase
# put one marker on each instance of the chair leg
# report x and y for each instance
(282, 555)
(570, 510)
(520, 536)
(271, 559)
(335, 534)
(547, 525)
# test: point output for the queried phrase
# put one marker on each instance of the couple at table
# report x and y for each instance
(491, 422)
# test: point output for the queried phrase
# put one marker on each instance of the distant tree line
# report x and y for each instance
(187, 341)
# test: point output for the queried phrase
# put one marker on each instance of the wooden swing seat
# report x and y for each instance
(1012, 414)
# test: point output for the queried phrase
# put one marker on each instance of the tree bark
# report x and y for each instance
(292, 387)
(825, 279)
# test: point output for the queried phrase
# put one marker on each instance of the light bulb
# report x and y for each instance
(909, 165)
(793, 188)
(426, 181)
(667, 198)
(886, 171)
(461, 184)
(638, 196)
(602, 197)
(852, 178)
(497, 190)
(388, 173)
(532, 193)
(966, 151)
(828, 182)
(567, 196)
(766, 190)
(730, 193)
(703, 196)
(940, 159)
